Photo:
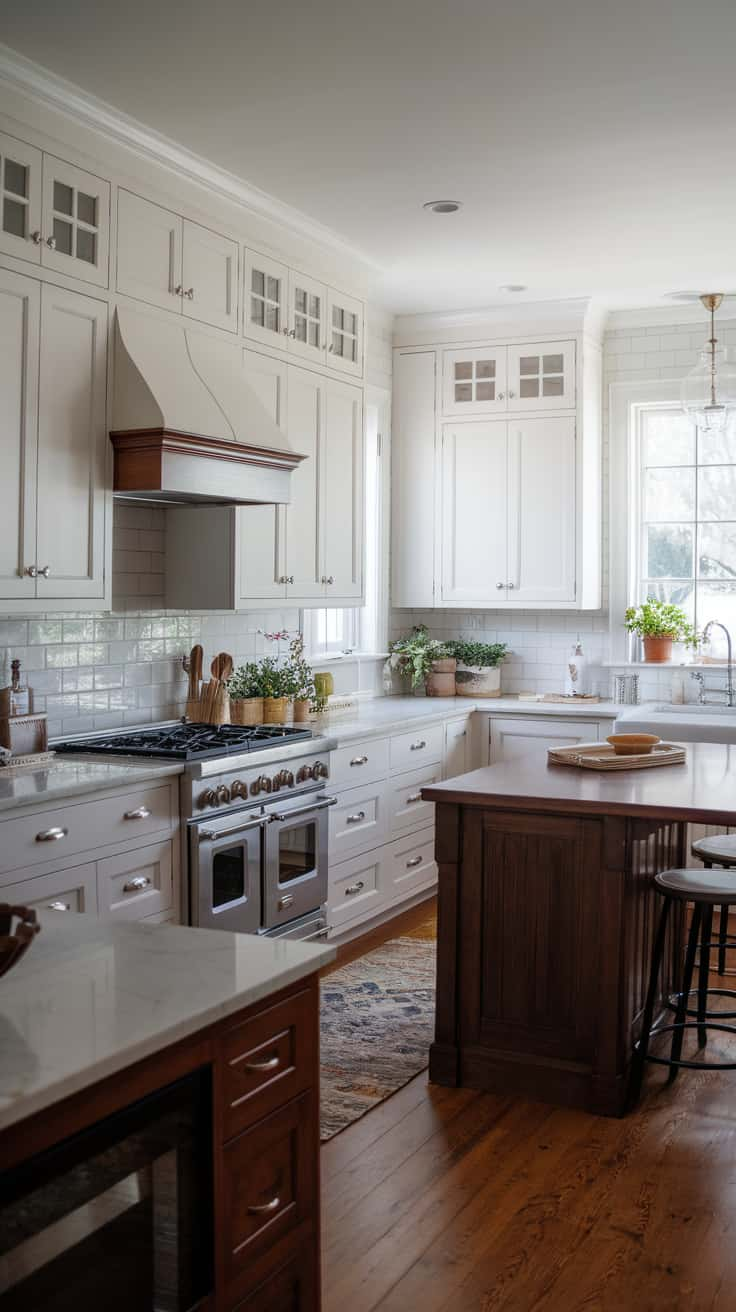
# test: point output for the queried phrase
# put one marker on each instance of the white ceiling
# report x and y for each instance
(591, 143)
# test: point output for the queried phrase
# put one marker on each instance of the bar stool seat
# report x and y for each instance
(720, 849)
(706, 889)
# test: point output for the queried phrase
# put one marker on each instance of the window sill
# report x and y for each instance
(661, 665)
(344, 658)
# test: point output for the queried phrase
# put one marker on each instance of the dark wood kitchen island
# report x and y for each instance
(547, 914)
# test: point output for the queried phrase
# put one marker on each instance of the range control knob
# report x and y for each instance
(260, 785)
(304, 773)
(320, 770)
(286, 779)
(208, 798)
(222, 794)
(238, 788)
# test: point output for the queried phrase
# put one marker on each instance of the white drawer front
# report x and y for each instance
(358, 822)
(34, 839)
(355, 890)
(136, 884)
(351, 767)
(410, 864)
(410, 750)
(407, 810)
(66, 890)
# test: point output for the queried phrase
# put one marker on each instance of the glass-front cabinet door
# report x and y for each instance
(474, 380)
(20, 199)
(307, 317)
(345, 333)
(541, 376)
(76, 222)
(265, 299)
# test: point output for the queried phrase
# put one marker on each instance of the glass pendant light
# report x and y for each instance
(708, 392)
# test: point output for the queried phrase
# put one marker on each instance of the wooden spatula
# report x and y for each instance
(196, 656)
(222, 666)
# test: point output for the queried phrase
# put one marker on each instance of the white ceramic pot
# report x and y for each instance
(478, 680)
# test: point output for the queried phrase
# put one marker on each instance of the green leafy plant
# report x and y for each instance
(274, 682)
(486, 655)
(660, 619)
(415, 654)
(299, 672)
(245, 681)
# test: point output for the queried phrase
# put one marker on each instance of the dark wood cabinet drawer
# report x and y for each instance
(268, 1060)
(291, 1288)
(270, 1177)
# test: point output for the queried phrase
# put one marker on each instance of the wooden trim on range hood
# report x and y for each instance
(167, 465)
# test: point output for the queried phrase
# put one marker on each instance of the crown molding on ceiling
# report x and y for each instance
(49, 89)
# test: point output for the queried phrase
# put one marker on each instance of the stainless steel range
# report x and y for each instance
(254, 805)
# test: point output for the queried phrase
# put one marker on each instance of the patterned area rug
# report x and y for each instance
(376, 1027)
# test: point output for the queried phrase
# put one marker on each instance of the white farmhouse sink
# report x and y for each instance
(693, 724)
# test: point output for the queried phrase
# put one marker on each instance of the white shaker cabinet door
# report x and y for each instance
(20, 199)
(261, 530)
(149, 252)
(513, 737)
(541, 556)
(304, 511)
(341, 477)
(265, 300)
(72, 446)
(474, 513)
(20, 307)
(209, 277)
(75, 222)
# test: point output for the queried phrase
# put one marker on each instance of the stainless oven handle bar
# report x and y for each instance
(211, 835)
(320, 804)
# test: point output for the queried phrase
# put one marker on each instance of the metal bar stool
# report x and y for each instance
(706, 889)
(718, 851)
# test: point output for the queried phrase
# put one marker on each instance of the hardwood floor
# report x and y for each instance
(446, 1199)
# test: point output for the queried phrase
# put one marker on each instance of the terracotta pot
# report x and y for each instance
(301, 710)
(478, 680)
(657, 650)
(247, 710)
(275, 710)
(441, 682)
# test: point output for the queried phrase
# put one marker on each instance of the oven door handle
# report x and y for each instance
(211, 835)
(320, 804)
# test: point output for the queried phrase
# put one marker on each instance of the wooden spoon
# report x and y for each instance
(222, 666)
(196, 657)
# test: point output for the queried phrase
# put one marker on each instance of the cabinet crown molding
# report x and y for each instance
(47, 88)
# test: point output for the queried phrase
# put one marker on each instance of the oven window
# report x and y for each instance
(228, 875)
(297, 851)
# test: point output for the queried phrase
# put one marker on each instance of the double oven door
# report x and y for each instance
(255, 871)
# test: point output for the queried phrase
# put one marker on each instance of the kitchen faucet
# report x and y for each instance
(700, 678)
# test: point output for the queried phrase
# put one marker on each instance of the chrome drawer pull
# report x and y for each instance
(352, 889)
(58, 906)
(270, 1064)
(140, 813)
(414, 861)
(413, 797)
(51, 835)
(359, 760)
(355, 819)
(137, 884)
(417, 747)
(265, 1209)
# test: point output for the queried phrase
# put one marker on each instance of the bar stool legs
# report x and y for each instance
(682, 1001)
(642, 1047)
(722, 940)
(704, 969)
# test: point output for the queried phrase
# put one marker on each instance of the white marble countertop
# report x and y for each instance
(68, 776)
(384, 715)
(90, 998)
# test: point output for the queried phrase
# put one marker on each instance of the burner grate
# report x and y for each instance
(187, 742)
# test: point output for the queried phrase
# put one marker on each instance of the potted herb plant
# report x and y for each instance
(659, 624)
(245, 690)
(300, 679)
(425, 660)
(275, 685)
(478, 667)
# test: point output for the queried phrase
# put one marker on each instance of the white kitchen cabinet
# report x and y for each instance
(409, 865)
(261, 530)
(356, 890)
(265, 300)
(307, 317)
(541, 510)
(62, 891)
(341, 492)
(475, 513)
(304, 514)
(20, 316)
(137, 882)
(474, 380)
(458, 752)
(344, 333)
(413, 478)
(176, 264)
(514, 736)
(541, 376)
(53, 369)
(53, 213)
(407, 808)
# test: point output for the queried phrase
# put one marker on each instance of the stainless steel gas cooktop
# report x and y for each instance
(187, 742)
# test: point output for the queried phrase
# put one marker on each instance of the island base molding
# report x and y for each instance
(545, 929)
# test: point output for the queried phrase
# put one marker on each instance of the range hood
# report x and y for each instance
(187, 427)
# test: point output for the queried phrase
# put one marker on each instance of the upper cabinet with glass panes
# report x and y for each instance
(345, 333)
(53, 213)
(534, 377)
(290, 311)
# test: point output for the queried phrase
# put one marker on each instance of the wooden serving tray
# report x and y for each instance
(601, 756)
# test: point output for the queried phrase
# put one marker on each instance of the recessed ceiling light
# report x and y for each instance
(443, 206)
(513, 287)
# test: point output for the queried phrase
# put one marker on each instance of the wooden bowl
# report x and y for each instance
(633, 744)
(15, 938)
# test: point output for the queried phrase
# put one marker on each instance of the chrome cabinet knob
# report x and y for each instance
(31, 571)
(285, 331)
(510, 587)
(189, 293)
(328, 579)
(499, 585)
(511, 395)
(178, 290)
(36, 238)
(500, 396)
(290, 579)
(45, 571)
(292, 332)
(51, 243)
